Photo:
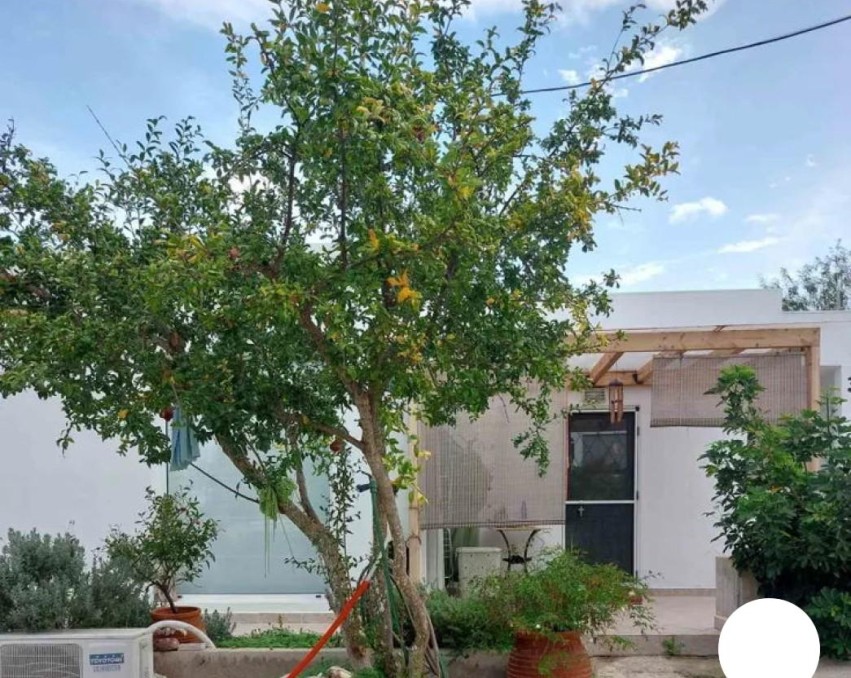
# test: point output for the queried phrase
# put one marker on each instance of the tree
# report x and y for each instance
(823, 285)
(395, 243)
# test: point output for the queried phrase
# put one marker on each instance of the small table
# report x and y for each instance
(513, 557)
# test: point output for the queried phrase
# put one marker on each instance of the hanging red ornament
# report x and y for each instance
(337, 444)
(167, 413)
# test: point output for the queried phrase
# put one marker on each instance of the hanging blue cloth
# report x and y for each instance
(184, 445)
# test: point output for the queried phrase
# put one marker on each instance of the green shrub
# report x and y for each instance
(220, 626)
(830, 611)
(789, 526)
(562, 592)
(278, 638)
(45, 585)
(172, 544)
(42, 582)
(463, 625)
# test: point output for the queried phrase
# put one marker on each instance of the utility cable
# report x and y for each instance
(702, 57)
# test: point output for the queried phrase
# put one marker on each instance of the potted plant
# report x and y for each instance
(172, 545)
(549, 609)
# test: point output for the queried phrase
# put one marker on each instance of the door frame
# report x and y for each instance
(636, 503)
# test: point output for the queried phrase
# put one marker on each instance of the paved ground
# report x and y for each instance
(686, 667)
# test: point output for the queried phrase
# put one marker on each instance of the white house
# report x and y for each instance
(653, 522)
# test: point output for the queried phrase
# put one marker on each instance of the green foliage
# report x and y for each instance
(830, 611)
(789, 526)
(562, 592)
(44, 585)
(463, 625)
(823, 285)
(278, 638)
(172, 543)
(396, 240)
(42, 582)
(672, 647)
(220, 626)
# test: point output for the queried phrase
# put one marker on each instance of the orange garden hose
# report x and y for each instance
(344, 613)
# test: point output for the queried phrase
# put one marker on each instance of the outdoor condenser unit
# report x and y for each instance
(94, 653)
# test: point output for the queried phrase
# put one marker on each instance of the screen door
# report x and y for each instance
(600, 507)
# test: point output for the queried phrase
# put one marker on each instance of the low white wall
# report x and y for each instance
(85, 491)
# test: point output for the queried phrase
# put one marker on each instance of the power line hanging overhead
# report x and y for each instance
(702, 57)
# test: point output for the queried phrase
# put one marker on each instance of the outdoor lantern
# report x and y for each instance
(616, 401)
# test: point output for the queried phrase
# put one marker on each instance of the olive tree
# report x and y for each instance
(395, 240)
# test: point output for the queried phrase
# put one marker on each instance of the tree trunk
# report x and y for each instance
(328, 547)
(374, 450)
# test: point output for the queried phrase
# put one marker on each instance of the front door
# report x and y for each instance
(600, 508)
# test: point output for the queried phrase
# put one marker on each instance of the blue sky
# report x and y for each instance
(765, 134)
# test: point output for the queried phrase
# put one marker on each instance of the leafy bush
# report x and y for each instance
(44, 585)
(830, 611)
(789, 526)
(464, 624)
(42, 582)
(172, 545)
(562, 592)
(219, 625)
(278, 638)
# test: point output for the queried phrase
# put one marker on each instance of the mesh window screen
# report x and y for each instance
(680, 384)
(477, 477)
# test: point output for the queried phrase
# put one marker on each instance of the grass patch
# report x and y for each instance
(278, 639)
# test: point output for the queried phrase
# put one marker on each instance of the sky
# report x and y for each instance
(765, 135)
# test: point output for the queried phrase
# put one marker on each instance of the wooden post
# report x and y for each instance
(812, 357)
(414, 541)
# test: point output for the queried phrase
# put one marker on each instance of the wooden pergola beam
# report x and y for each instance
(625, 377)
(710, 340)
(725, 352)
(603, 365)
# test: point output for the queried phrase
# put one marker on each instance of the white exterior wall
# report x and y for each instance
(92, 488)
(85, 491)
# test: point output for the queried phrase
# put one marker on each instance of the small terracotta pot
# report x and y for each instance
(190, 615)
(563, 656)
(636, 600)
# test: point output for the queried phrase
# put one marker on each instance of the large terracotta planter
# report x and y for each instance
(190, 615)
(534, 656)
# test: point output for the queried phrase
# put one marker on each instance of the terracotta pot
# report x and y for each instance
(190, 615)
(534, 655)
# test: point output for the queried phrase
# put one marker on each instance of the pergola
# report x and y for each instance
(718, 341)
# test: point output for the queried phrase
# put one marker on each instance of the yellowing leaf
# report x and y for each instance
(465, 191)
(404, 294)
(490, 301)
(401, 281)
(322, 7)
(374, 245)
(122, 414)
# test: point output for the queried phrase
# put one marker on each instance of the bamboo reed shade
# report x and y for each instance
(680, 384)
(476, 476)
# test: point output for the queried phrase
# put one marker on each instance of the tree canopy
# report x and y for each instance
(823, 285)
(395, 242)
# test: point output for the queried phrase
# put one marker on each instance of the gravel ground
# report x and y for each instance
(687, 667)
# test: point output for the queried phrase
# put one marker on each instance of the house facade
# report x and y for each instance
(648, 514)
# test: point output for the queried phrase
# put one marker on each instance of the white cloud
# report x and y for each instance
(764, 218)
(745, 246)
(582, 51)
(661, 55)
(668, 5)
(641, 273)
(810, 161)
(570, 76)
(212, 13)
(687, 210)
(619, 92)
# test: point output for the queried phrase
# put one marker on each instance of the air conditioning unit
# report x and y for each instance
(94, 653)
